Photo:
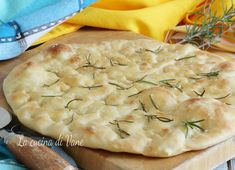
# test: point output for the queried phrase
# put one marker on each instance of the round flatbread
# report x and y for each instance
(137, 96)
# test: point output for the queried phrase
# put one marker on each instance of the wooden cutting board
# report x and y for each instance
(92, 159)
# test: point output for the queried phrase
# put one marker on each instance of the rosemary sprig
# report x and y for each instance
(193, 124)
(92, 87)
(122, 133)
(227, 95)
(119, 87)
(89, 64)
(209, 74)
(160, 118)
(116, 63)
(200, 94)
(185, 58)
(48, 85)
(67, 105)
(213, 26)
(153, 103)
(136, 93)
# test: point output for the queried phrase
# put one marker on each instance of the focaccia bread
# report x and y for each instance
(137, 96)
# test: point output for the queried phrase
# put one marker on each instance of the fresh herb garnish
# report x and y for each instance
(193, 124)
(218, 98)
(153, 103)
(122, 133)
(67, 105)
(200, 94)
(213, 26)
(160, 118)
(185, 58)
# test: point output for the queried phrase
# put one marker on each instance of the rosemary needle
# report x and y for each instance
(210, 74)
(176, 86)
(184, 58)
(91, 87)
(48, 85)
(120, 87)
(153, 103)
(67, 105)
(141, 80)
(136, 93)
(89, 64)
(166, 80)
(200, 94)
(192, 125)
(218, 98)
(158, 50)
(160, 118)
(142, 106)
(72, 118)
(147, 82)
(122, 133)
(51, 95)
(116, 63)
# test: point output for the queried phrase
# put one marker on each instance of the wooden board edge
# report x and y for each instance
(206, 160)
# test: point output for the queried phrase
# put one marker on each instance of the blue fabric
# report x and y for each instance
(7, 159)
(23, 21)
(12, 9)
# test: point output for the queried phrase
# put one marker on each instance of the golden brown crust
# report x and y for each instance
(136, 96)
(57, 49)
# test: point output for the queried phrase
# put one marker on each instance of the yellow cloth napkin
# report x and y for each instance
(149, 17)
